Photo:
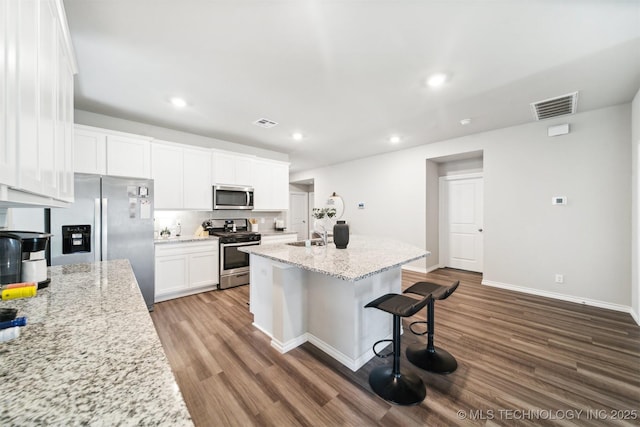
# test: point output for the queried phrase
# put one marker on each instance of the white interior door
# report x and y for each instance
(461, 243)
(298, 214)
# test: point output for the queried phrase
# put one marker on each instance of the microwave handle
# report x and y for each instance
(248, 198)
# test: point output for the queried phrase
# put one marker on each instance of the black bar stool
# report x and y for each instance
(388, 382)
(431, 358)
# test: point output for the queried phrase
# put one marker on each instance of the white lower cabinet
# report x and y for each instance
(270, 239)
(185, 268)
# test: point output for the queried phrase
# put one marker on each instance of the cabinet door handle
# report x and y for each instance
(480, 230)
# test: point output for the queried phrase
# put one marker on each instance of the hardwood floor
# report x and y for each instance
(522, 360)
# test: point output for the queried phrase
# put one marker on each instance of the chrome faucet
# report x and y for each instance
(325, 237)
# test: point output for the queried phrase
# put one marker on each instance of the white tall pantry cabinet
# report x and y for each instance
(36, 105)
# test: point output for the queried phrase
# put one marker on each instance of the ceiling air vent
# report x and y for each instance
(265, 123)
(554, 107)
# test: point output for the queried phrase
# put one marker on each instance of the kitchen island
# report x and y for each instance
(89, 355)
(318, 294)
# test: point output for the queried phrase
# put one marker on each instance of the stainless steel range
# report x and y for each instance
(232, 234)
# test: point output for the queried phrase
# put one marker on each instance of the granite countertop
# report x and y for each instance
(275, 232)
(364, 256)
(184, 239)
(89, 355)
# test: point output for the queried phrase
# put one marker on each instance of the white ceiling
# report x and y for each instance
(348, 74)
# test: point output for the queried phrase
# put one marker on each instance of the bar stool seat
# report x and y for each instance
(431, 358)
(387, 381)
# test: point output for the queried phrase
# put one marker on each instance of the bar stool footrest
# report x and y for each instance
(382, 356)
(420, 322)
(402, 389)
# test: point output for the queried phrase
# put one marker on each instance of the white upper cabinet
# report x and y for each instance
(232, 169)
(182, 176)
(36, 107)
(90, 150)
(198, 193)
(64, 128)
(129, 156)
(106, 152)
(167, 172)
(8, 30)
(271, 185)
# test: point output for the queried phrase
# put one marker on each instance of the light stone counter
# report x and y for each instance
(185, 239)
(364, 256)
(318, 294)
(89, 355)
(272, 232)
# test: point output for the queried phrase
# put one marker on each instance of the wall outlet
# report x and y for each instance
(261, 220)
(559, 278)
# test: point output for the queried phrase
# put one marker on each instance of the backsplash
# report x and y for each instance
(190, 221)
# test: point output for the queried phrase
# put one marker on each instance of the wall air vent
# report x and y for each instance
(265, 123)
(554, 107)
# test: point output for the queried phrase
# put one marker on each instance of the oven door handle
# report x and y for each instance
(226, 245)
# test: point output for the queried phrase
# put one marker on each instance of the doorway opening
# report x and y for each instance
(301, 195)
(454, 220)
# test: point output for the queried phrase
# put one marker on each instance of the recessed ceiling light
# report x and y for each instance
(465, 122)
(395, 139)
(178, 102)
(297, 136)
(436, 80)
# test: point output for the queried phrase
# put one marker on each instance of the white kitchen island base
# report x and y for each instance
(294, 305)
(318, 294)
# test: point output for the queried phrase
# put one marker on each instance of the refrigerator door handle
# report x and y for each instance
(105, 231)
(97, 232)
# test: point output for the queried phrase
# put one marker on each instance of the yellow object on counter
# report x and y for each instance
(201, 232)
(22, 292)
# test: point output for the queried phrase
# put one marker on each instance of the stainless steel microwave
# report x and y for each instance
(232, 197)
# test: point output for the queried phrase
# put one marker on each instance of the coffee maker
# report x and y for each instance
(33, 265)
(10, 258)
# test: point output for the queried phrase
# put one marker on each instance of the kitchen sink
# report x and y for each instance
(301, 243)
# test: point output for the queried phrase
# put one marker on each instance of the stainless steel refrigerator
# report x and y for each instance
(111, 218)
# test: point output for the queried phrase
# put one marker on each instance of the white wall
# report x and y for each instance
(122, 125)
(527, 240)
(26, 219)
(635, 197)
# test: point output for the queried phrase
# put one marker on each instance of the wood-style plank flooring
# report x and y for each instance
(523, 360)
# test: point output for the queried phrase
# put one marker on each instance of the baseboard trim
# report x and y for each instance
(413, 268)
(635, 316)
(562, 297)
(284, 347)
(421, 269)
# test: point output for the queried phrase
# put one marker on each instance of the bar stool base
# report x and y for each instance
(439, 361)
(404, 389)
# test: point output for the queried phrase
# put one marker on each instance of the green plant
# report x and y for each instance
(319, 213)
